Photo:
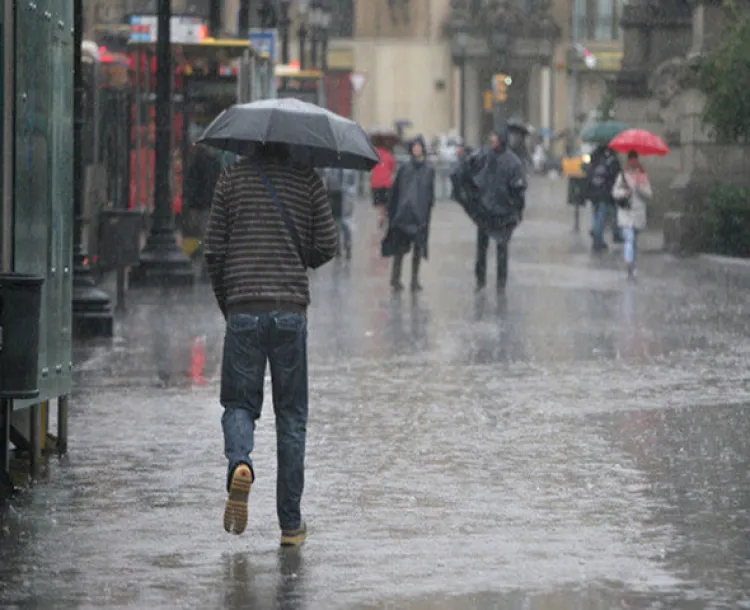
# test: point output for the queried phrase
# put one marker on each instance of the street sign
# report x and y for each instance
(183, 30)
(358, 81)
(264, 41)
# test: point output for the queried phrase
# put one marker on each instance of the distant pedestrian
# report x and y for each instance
(269, 222)
(409, 212)
(341, 186)
(381, 181)
(501, 180)
(600, 178)
(631, 192)
(517, 134)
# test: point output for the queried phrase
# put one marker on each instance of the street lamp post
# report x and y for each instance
(326, 16)
(243, 19)
(284, 24)
(92, 308)
(162, 262)
(302, 12)
(462, 41)
(320, 21)
(500, 43)
(314, 19)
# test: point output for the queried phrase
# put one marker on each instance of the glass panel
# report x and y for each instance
(43, 176)
(31, 226)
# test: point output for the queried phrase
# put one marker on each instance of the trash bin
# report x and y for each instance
(20, 310)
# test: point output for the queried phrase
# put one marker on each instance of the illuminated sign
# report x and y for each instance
(183, 30)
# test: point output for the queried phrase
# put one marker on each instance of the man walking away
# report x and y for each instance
(409, 212)
(269, 222)
(501, 179)
(600, 177)
(341, 185)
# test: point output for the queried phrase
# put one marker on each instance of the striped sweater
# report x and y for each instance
(251, 257)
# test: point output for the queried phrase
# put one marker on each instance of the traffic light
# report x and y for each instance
(500, 85)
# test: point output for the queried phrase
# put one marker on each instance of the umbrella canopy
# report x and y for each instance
(517, 124)
(316, 137)
(641, 141)
(603, 133)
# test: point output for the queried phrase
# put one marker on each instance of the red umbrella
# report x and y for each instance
(641, 141)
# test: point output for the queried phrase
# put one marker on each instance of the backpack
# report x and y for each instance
(600, 178)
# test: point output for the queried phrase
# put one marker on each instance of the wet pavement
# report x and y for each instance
(582, 443)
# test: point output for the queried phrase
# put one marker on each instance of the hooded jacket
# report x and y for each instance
(601, 174)
(410, 206)
(491, 187)
(500, 181)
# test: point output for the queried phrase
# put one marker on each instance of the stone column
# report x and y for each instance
(474, 100)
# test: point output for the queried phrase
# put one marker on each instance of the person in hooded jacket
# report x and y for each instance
(600, 177)
(517, 133)
(500, 179)
(412, 198)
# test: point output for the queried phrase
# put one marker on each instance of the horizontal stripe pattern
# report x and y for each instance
(249, 251)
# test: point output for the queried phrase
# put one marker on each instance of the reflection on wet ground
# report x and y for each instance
(581, 442)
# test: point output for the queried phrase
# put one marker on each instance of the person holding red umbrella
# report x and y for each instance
(632, 189)
(631, 192)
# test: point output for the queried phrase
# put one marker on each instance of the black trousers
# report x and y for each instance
(398, 263)
(480, 270)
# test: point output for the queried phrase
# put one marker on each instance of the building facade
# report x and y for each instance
(412, 54)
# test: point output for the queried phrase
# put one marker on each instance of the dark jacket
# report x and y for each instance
(491, 186)
(410, 208)
(601, 174)
(253, 261)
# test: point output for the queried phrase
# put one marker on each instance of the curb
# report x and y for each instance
(727, 261)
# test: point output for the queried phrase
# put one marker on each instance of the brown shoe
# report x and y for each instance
(235, 511)
(294, 537)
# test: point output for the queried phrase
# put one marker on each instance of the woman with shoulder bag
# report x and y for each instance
(631, 192)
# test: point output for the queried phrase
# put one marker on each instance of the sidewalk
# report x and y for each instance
(465, 450)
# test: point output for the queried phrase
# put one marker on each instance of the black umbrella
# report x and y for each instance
(517, 124)
(315, 136)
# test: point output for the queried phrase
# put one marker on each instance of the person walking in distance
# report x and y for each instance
(409, 212)
(270, 221)
(381, 181)
(631, 192)
(600, 177)
(501, 180)
(341, 185)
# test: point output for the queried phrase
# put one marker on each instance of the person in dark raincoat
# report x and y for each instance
(601, 174)
(499, 182)
(410, 206)
(517, 133)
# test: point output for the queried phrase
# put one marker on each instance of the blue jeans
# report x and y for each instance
(602, 210)
(630, 235)
(250, 341)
